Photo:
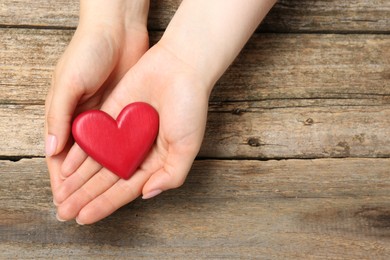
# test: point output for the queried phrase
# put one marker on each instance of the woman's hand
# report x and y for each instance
(176, 77)
(180, 96)
(110, 39)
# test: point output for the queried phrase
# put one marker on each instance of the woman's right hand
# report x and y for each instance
(110, 39)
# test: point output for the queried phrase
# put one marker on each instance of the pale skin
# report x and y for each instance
(108, 65)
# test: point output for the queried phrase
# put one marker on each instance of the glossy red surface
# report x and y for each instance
(120, 145)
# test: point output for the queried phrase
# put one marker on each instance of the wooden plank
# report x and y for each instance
(294, 132)
(27, 60)
(22, 129)
(302, 66)
(277, 84)
(298, 132)
(329, 16)
(287, 15)
(326, 208)
(273, 68)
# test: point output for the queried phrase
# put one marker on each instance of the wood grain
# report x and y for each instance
(302, 66)
(278, 70)
(27, 60)
(303, 132)
(286, 96)
(312, 86)
(326, 208)
(21, 131)
(287, 15)
(295, 132)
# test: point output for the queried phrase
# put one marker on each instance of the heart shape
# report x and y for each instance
(120, 145)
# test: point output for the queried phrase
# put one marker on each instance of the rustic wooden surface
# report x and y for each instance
(326, 208)
(281, 87)
(287, 15)
(295, 162)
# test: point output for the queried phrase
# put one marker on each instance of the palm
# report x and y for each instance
(97, 63)
(177, 93)
(89, 64)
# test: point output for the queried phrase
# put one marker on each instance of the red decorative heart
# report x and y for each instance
(121, 145)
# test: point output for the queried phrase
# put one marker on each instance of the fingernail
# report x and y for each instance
(55, 202)
(79, 222)
(59, 219)
(50, 145)
(151, 194)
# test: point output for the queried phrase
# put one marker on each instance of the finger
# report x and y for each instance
(63, 99)
(173, 173)
(73, 160)
(83, 174)
(53, 163)
(98, 184)
(76, 156)
(82, 70)
(54, 166)
(123, 192)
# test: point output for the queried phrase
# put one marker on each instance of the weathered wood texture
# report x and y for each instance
(278, 69)
(286, 16)
(331, 92)
(326, 208)
(311, 132)
(317, 87)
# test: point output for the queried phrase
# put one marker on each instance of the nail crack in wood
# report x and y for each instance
(248, 158)
(337, 96)
(35, 27)
(303, 31)
(18, 158)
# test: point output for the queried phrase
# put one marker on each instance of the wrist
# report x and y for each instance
(208, 35)
(130, 14)
(202, 79)
(192, 48)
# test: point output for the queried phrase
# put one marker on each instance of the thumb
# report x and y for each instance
(82, 70)
(60, 105)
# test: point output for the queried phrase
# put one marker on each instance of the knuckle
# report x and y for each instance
(65, 212)
(176, 175)
(59, 195)
(51, 119)
(177, 180)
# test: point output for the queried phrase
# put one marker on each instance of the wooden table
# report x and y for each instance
(295, 162)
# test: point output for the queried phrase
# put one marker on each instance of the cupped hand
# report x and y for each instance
(99, 54)
(177, 92)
